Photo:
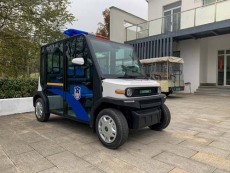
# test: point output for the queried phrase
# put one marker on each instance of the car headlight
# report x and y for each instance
(129, 92)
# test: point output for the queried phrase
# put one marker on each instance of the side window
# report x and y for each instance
(76, 47)
(55, 65)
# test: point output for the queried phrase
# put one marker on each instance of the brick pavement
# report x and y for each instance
(197, 141)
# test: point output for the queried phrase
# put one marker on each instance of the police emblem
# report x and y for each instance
(77, 93)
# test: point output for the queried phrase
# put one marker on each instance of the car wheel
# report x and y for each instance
(40, 111)
(112, 128)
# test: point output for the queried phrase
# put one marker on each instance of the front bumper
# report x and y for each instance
(139, 112)
(143, 118)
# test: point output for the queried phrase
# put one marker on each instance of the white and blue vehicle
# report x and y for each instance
(101, 83)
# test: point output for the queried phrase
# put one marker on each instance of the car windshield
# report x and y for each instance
(116, 60)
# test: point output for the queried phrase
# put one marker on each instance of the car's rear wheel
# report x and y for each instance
(40, 111)
(112, 128)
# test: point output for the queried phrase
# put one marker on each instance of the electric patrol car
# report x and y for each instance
(99, 82)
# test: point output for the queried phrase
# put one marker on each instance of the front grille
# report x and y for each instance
(147, 91)
(150, 103)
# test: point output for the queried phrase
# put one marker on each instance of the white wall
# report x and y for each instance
(200, 58)
(117, 19)
(203, 60)
(215, 44)
(155, 7)
(190, 51)
(16, 105)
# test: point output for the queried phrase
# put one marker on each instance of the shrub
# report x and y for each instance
(15, 88)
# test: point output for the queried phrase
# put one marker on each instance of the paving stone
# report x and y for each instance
(176, 149)
(6, 164)
(31, 162)
(227, 135)
(47, 148)
(19, 129)
(68, 162)
(64, 139)
(163, 136)
(201, 140)
(220, 171)
(31, 137)
(223, 125)
(177, 129)
(141, 149)
(35, 124)
(5, 131)
(213, 160)
(80, 149)
(134, 158)
(16, 147)
(52, 170)
(221, 145)
(85, 137)
(223, 139)
(204, 148)
(209, 135)
(178, 170)
(218, 129)
(228, 157)
(184, 163)
(53, 134)
(109, 163)
(2, 153)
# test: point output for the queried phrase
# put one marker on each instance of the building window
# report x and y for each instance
(176, 54)
(171, 18)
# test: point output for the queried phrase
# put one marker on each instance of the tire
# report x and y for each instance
(165, 119)
(40, 111)
(112, 128)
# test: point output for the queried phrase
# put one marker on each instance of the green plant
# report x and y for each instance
(15, 88)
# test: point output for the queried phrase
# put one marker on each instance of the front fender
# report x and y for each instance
(41, 94)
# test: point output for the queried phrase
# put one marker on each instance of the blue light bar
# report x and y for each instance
(72, 32)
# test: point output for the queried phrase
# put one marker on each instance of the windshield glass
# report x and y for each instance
(116, 60)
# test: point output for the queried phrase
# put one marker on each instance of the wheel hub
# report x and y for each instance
(39, 109)
(107, 129)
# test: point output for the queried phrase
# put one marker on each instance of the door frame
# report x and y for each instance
(171, 16)
(225, 67)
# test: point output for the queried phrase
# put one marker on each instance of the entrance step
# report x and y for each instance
(213, 90)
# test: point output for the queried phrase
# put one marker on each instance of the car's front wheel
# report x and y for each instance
(112, 128)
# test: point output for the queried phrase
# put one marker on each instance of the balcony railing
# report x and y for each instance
(215, 12)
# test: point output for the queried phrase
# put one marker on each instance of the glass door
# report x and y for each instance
(167, 21)
(172, 20)
(54, 79)
(220, 69)
(176, 19)
(223, 68)
(228, 70)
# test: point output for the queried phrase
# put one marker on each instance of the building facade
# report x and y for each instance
(196, 30)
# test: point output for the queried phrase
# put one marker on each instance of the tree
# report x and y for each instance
(104, 29)
(24, 27)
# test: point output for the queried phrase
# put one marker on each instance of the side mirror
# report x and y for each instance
(78, 61)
